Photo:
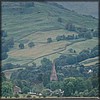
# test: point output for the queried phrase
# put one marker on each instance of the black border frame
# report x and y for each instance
(72, 98)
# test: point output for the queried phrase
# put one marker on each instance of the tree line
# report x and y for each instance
(6, 44)
(30, 44)
(82, 33)
(74, 59)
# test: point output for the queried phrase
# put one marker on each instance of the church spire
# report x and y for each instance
(53, 76)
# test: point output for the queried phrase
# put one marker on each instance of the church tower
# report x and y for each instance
(53, 76)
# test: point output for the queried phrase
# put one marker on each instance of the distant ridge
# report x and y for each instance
(84, 8)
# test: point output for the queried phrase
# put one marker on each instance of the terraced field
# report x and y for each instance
(82, 45)
(28, 54)
(91, 61)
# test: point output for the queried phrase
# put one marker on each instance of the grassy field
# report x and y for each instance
(90, 61)
(9, 72)
(38, 50)
(36, 53)
(41, 50)
(41, 36)
(79, 46)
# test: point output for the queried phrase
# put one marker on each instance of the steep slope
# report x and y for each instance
(40, 17)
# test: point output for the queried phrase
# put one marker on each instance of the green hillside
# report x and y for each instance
(37, 23)
(42, 18)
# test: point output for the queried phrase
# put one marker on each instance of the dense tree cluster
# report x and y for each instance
(74, 59)
(62, 37)
(7, 44)
(7, 66)
(68, 37)
(79, 87)
(85, 35)
(7, 89)
(3, 78)
(4, 55)
(3, 33)
(82, 32)
(74, 80)
(70, 27)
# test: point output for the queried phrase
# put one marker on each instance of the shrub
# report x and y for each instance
(29, 96)
(31, 44)
(16, 95)
(21, 46)
(49, 40)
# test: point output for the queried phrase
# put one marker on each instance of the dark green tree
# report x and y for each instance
(5, 47)
(46, 78)
(94, 92)
(16, 95)
(68, 86)
(21, 46)
(49, 40)
(4, 33)
(7, 66)
(7, 89)
(68, 89)
(25, 89)
(70, 27)
(4, 55)
(60, 20)
(88, 35)
(46, 64)
(3, 77)
(80, 84)
(53, 85)
(60, 76)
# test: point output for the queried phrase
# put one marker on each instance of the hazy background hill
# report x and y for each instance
(86, 8)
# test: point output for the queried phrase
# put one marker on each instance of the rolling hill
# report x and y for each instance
(38, 22)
